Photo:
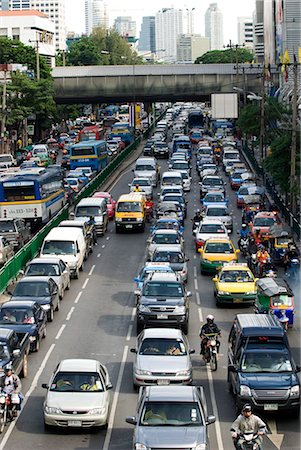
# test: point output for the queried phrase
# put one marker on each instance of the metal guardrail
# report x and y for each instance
(10, 270)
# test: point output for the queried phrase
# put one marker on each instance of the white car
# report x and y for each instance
(221, 213)
(209, 228)
(161, 238)
(208, 169)
(77, 395)
(172, 189)
(147, 168)
(145, 186)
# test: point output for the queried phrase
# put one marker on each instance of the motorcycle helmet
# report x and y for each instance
(247, 408)
(210, 318)
(244, 225)
(8, 368)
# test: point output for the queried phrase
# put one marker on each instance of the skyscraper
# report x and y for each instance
(245, 32)
(214, 27)
(96, 15)
(147, 40)
(54, 9)
(169, 25)
(125, 26)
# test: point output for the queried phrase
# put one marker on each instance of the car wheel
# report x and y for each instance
(68, 285)
(37, 346)
(135, 387)
(139, 327)
(48, 427)
(185, 328)
(76, 275)
(217, 303)
(50, 315)
(24, 371)
(82, 266)
(44, 333)
(58, 305)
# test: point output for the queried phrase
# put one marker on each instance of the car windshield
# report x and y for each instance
(270, 361)
(32, 289)
(217, 212)
(170, 413)
(212, 228)
(264, 221)
(43, 269)
(144, 167)
(219, 247)
(172, 180)
(77, 382)
(7, 226)
(141, 182)
(129, 207)
(173, 198)
(236, 276)
(87, 211)
(171, 257)
(214, 198)
(243, 191)
(19, 316)
(167, 226)
(162, 347)
(165, 238)
(163, 289)
(59, 248)
(282, 300)
(213, 182)
(180, 165)
(283, 240)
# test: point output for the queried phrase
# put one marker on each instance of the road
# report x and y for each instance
(96, 320)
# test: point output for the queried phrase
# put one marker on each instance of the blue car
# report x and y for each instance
(79, 175)
(165, 223)
(214, 198)
(150, 267)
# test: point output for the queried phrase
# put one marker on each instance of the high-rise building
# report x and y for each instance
(169, 25)
(4, 5)
(189, 21)
(258, 31)
(214, 27)
(245, 32)
(54, 9)
(147, 39)
(191, 46)
(96, 15)
(125, 26)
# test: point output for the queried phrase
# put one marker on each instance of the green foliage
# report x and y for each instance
(12, 51)
(225, 56)
(64, 112)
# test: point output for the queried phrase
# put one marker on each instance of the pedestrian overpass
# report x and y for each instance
(154, 82)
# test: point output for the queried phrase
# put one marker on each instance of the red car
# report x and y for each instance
(263, 221)
(111, 203)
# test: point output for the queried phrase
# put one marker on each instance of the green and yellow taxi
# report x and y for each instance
(215, 253)
(235, 284)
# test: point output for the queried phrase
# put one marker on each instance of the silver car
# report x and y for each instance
(51, 267)
(145, 185)
(173, 255)
(221, 213)
(171, 417)
(77, 395)
(162, 357)
(161, 238)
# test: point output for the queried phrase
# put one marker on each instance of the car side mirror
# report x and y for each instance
(215, 279)
(229, 231)
(21, 272)
(189, 294)
(129, 185)
(191, 351)
(210, 419)
(136, 279)
(72, 214)
(232, 368)
(237, 251)
(132, 420)
(137, 292)
(187, 259)
(109, 386)
(194, 232)
(16, 353)
(45, 386)
(200, 250)
(133, 350)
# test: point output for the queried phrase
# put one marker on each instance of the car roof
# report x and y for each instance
(255, 322)
(208, 220)
(236, 266)
(219, 240)
(266, 214)
(17, 303)
(90, 201)
(163, 276)
(214, 206)
(33, 279)
(45, 261)
(78, 365)
(170, 248)
(162, 333)
(165, 231)
(171, 393)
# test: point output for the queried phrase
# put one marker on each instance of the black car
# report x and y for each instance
(42, 290)
(148, 149)
(25, 317)
(65, 162)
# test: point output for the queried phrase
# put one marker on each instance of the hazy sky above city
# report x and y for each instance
(231, 9)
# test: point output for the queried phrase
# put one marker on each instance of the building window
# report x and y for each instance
(16, 34)
(3, 32)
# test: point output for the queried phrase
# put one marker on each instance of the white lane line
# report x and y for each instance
(128, 336)
(194, 256)
(107, 441)
(27, 395)
(220, 445)
(198, 298)
(133, 314)
(60, 332)
(196, 285)
(70, 313)
(103, 246)
(201, 315)
(108, 238)
(78, 297)
(195, 272)
(92, 270)
(85, 283)
(99, 255)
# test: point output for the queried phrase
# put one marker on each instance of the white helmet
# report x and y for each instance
(210, 318)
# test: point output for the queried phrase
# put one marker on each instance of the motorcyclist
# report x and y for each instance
(11, 385)
(247, 421)
(290, 254)
(91, 224)
(269, 269)
(252, 248)
(262, 257)
(244, 231)
(209, 327)
(137, 188)
(197, 218)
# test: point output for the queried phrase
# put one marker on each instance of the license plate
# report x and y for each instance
(74, 423)
(270, 407)
(128, 226)
(163, 382)
(162, 316)
(237, 300)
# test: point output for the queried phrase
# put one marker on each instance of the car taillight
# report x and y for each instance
(200, 243)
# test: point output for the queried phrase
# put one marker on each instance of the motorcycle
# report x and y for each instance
(247, 441)
(211, 350)
(244, 245)
(252, 263)
(8, 408)
(293, 269)
(149, 213)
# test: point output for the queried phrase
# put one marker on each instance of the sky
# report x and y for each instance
(231, 9)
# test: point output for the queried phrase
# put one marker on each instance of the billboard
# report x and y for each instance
(279, 29)
(224, 106)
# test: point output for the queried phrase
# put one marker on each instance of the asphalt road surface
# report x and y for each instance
(96, 321)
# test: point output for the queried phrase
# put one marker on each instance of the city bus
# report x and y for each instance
(124, 131)
(124, 113)
(35, 195)
(92, 154)
(91, 133)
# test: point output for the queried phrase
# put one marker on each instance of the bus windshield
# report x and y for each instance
(82, 151)
(14, 192)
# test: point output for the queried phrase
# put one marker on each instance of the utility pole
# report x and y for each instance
(36, 42)
(4, 68)
(262, 130)
(294, 138)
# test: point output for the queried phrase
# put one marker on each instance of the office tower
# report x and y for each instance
(169, 25)
(191, 46)
(214, 27)
(147, 40)
(96, 15)
(245, 32)
(125, 26)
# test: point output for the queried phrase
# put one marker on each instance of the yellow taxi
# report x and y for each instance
(235, 283)
(215, 253)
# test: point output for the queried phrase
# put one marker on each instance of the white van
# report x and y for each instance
(171, 178)
(7, 160)
(147, 168)
(67, 243)
(96, 208)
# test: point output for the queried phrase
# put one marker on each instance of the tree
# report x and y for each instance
(225, 56)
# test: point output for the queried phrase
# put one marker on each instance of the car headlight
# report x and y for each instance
(97, 411)
(251, 292)
(118, 219)
(142, 372)
(207, 261)
(201, 447)
(139, 219)
(143, 309)
(295, 391)
(179, 309)
(183, 373)
(45, 307)
(245, 391)
(32, 338)
(223, 293)
(140, 447)
(52, 410)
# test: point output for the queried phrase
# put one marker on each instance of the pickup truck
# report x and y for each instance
(14, 349)
(16, 231)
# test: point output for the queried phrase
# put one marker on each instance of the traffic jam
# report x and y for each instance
(204, 219)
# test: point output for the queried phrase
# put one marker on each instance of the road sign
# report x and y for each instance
(30, 130)
(14, 135)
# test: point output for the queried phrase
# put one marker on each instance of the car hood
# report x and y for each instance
(163, 364)
(144, 174)
(237, 287)
(177, 267)
(41, 300)
(166, 437)
(220, 256)
(75, 401)
(162, 302)
(268, 380)
(20, 328)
